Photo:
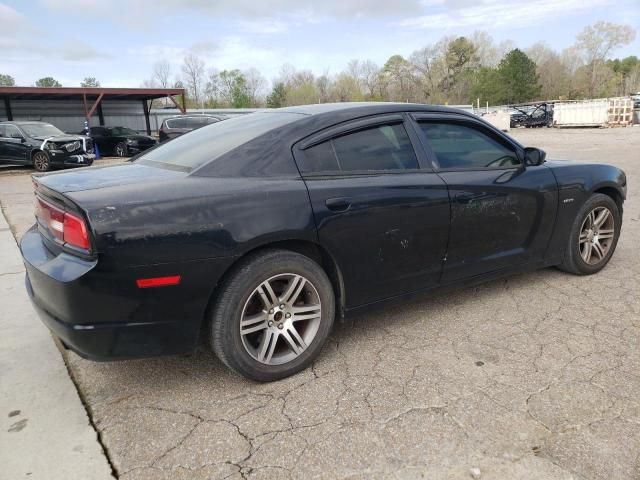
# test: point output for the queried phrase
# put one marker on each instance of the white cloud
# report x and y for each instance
(246, 9)
(13, 23)
(494, 13)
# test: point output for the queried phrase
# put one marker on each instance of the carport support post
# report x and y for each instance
(145, 107)
(7, 108)
(100, 114)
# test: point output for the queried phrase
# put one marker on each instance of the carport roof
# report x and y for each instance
(79, 93)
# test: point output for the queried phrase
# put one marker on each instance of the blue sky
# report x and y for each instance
(118, 41)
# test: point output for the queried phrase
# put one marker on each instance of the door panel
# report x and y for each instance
(384, 220)
(499, 218)
(12, 149)
(502, 213)
(388, 233)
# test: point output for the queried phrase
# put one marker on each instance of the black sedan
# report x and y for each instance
(121, 141)
(256, 232)
(43, 146)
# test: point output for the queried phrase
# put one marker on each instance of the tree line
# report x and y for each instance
(454, 70)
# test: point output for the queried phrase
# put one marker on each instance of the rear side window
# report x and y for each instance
(205, 144)
(176, 123)
(383, 147)
(458, 146)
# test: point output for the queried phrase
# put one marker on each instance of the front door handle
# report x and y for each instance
(338, 204)
(465, 198)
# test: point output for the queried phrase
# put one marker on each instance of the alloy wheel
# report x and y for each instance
(280, 319)
(596, 235)
(41, 162)
(121, 150)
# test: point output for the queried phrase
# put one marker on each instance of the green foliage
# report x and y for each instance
(7, 80)
(90, 82)
(235, 88)
(278, 96)
(48, 82)
(515, 80)
(517, 72)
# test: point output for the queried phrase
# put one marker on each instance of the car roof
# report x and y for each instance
(191, 115)
(24, 122)
(366, 107)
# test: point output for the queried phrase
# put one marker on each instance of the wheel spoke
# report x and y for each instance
(267, 346)
(583, 237)
(253, 323)
(294, 340)
(586, 252)
(598, 250)
(301, 310)
(269, 298)
(606, 233)
(296, 284)
(601, 218)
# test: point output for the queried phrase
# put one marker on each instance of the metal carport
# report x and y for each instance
(36, 103)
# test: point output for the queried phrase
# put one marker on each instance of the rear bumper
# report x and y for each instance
(106, 342)
(102, 314)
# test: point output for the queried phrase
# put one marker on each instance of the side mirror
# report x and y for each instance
(534, 156)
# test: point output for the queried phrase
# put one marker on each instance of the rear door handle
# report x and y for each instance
(338, 204)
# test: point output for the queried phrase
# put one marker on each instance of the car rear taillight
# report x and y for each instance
(65, 227)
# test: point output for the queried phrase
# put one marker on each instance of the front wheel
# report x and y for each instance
(41, 161)
(594, 236)
(272, 315)
(121, 150)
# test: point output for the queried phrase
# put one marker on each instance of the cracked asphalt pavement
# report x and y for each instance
(530, 377)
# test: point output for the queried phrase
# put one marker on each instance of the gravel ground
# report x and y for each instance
(536, 376)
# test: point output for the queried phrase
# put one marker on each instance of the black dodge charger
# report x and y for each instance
(120, 141)
(256, 232)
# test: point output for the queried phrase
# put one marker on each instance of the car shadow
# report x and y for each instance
(202, 369)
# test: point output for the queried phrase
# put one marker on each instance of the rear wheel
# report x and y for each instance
(41, 161)
(272, 315)
(594, 236)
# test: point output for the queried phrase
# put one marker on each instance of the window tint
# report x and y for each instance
(384, 147)
(320, 158)
(2, 131)
(460, 146)
(176, 123)
(208, 143)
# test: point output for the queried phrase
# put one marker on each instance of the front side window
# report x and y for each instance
(122, 131)
(459, 146)
(383, 147)
(10, 131)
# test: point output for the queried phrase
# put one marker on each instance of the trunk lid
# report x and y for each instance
(104, 177)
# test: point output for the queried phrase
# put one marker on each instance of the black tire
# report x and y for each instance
(225, 338)
(573, 261)
(41, 161)
(121, 150)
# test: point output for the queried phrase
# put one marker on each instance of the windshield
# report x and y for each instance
(122, 131)
(200, 146)
(40, 130)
